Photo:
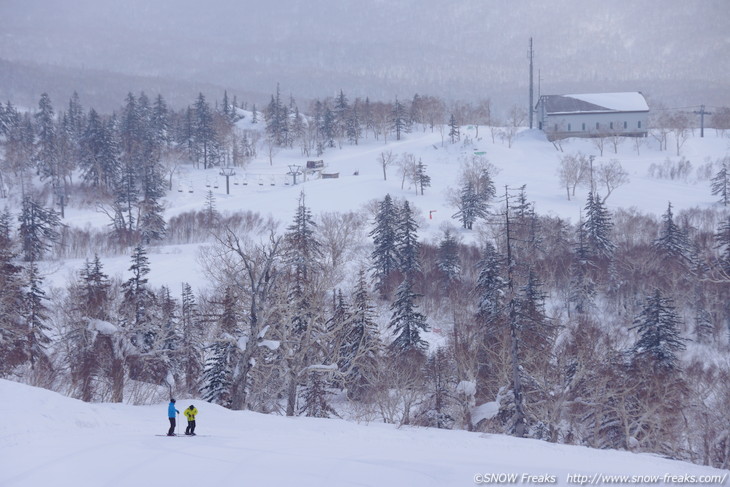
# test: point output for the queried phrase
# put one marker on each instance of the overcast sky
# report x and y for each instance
(675, 51)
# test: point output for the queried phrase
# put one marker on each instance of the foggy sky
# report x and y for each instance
(675, 51)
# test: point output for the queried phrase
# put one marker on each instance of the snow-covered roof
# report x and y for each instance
(632, 101)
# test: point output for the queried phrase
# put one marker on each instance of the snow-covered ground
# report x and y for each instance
(50, 440)
(532, 161)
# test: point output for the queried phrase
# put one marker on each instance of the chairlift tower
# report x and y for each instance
(294, 171)
(227, 172)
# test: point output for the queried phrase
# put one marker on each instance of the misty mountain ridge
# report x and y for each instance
(673, 51)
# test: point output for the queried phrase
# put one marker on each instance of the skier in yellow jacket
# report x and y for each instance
(190, 414)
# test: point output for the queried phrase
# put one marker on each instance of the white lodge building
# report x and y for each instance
(593, 115)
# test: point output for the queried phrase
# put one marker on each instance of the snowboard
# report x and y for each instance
(180, 436)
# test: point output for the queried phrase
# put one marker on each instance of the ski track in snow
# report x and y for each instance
(118, 448)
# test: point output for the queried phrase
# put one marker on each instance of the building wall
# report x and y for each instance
(557, 126)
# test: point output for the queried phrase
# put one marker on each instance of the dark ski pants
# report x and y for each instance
(171, 431)
(190, 430)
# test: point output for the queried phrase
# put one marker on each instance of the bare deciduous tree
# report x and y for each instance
(408, 168)
(386, 159)
(574, 170)
(679, 124)
(340, 234)
(612, 175)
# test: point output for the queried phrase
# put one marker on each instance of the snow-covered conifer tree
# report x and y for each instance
(447, 258)
(408, 247)
(658, 327)
(490, 287)
(218, 373)
(35, 316)
(406, 321)
(721, 182)
(11, 297)
(38, 229)
(673, 242)
(360, 346)
(598, 227)
(385, 254)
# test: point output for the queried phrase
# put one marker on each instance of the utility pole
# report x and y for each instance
(702, 114)
(531, 55)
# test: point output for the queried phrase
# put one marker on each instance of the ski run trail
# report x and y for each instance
(50, 440)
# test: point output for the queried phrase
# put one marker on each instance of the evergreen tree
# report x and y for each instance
(151, 221)
(94, 287)
(35, 314)
(99, 160)
(46, 154)
(447, 259)
(315, 397)
(454, 131)
(303, 250)
(582, 288)
(11, 298)
(535, 330)
(490, 287)
(399, 119)
(367, 116)
(341, 113)
(673, 242)
(210, 212)
(328, 128)
(722, 239)
(598, 226)
(385, 254)
(417, 107)
(360, 345)
(167, 346)
(472, 206)
(423, 180)
(440, 383)
(218, 373)
(298, 126)
(160, 123)
(37, 229)
(406, 321)
(407, 245)
(68, 153)
(277, 120)
(76, 119)
(4, 120)
(131, 132)
(721, 182)
(203, 133)
(126, 196)
(90, 350)
(225, 105)
(704, 329)
(138, 304)
(353, 127)
(19, 146)
(659, 339)
(190, 352)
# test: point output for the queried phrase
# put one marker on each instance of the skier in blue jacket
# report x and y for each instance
(171, 416)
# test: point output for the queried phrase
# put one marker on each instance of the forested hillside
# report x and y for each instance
(608, 330)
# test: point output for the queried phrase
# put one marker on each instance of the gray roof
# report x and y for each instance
(595, 102)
